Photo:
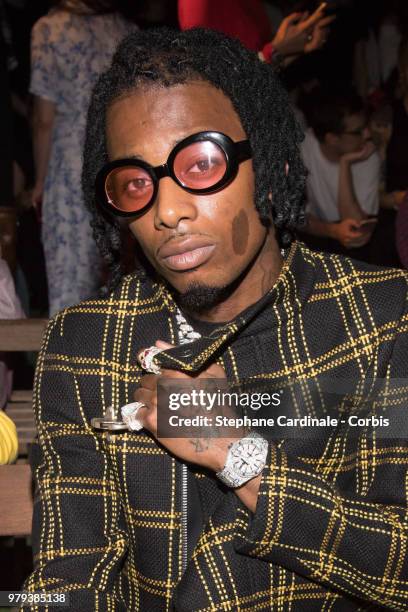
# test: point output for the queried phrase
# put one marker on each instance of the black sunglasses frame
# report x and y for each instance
(235, 153)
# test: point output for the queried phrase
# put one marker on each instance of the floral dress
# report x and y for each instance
(68, 52)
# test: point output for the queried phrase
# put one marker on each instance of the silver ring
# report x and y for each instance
(146, 359)
(108, 422)
(129, 414)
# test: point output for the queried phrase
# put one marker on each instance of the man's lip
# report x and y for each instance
(188, 260)
(183, 245)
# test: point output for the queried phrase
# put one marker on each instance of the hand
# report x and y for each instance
(361, 155)
(210, 452)
(367, 232)
(301, 33)
(398, 197)
(319, 35)
(37, 196)
(349, 233)
(393, 199)
(290, 38)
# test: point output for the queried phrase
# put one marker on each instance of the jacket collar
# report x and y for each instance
(289, 293)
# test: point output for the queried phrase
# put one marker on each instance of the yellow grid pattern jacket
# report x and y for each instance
(330, 530)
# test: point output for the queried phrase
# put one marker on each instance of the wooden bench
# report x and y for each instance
(16, 500)
(15, 480)
(22, 334)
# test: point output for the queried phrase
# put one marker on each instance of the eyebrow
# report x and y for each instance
(137, 157)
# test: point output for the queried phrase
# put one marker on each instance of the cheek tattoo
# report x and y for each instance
(240, 232)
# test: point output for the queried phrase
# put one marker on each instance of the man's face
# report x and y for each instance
(222, 231)
(354, 135)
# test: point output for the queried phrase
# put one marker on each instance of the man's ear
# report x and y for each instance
(286, 168)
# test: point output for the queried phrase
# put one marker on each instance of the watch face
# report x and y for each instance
(247, 458)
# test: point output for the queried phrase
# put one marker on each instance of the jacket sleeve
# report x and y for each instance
(351, 543)
(78, 537)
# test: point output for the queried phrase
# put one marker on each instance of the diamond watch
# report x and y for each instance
(246, 459)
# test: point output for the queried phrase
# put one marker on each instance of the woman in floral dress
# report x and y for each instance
(71, 46)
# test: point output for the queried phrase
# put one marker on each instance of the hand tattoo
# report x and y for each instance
(200, 444)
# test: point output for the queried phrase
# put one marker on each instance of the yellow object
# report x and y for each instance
(8, 439)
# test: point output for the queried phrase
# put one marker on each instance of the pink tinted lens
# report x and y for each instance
(129, 188)
(200, 165)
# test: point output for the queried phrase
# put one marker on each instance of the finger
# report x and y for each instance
(163, 345)
(157, 344)
(315, 17)
(325, 21)
(314, 43)
(215, 371)
(291, 19)
(303, 17)
(147, 414)
(349, 224)
(146, 396)
(311, 22)
(149, 381)
(320, 38)
(355, 238)
(147, 417)
(174, 374)
(320, 9)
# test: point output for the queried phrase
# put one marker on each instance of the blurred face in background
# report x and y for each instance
(353, 137)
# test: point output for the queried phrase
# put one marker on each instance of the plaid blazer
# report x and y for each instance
(330, 528)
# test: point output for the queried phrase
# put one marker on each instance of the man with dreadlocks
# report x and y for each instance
(192, 146)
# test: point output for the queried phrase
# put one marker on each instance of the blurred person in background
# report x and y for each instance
(384, 24)
(248, 20)
(17, 167)
(344, 175)
(396, 165)
(397, 149)
(7, 64)
(70, 47)
(10, 308)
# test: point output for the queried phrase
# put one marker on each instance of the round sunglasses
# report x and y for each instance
(202, 163)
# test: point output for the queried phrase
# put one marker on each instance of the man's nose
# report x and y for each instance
(173, 204)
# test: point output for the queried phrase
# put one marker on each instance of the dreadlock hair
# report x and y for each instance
(164, 58)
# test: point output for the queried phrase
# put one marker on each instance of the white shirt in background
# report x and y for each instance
(323, 181)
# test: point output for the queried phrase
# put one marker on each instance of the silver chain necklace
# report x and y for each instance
(185, 331)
